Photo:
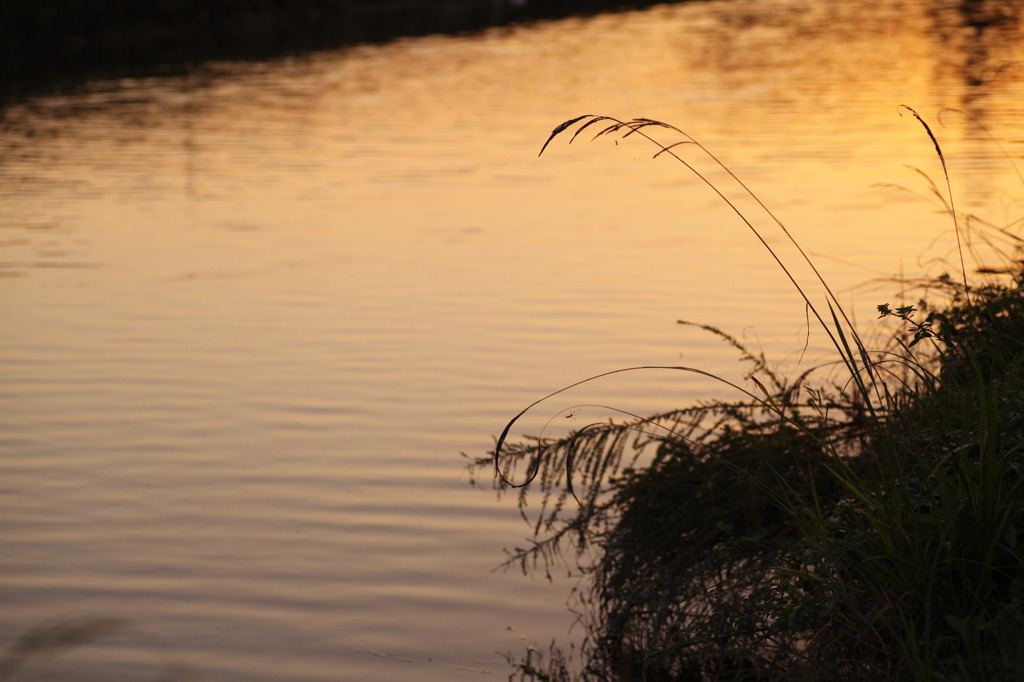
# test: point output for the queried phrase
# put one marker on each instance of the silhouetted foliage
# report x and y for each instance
(866, 525)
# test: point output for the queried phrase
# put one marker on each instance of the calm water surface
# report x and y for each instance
(253, 315)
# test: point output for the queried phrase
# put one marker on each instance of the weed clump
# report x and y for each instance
(868, 526)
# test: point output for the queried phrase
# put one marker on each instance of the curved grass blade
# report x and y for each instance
(949, 191)
(560, 128)
(533, 469)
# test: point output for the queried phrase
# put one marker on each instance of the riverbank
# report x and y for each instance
(813, 537)
(862, 520)
(43, 41)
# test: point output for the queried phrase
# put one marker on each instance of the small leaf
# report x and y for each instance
(560, 128)
(958, 624)
(764, 390)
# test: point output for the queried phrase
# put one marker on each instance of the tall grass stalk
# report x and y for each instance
(862, 526)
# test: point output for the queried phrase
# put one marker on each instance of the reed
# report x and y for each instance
(865, 523)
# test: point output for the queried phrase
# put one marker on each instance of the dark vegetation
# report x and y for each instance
(863, 520)
(59, 41)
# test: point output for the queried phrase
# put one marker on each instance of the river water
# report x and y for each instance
(254, 314)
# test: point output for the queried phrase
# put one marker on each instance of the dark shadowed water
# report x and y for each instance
(252, 316)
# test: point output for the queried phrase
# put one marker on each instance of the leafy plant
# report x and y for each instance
(860, 525)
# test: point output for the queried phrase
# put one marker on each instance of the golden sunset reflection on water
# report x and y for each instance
(253, 314)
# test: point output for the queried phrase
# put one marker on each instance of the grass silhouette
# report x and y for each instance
(863, 520)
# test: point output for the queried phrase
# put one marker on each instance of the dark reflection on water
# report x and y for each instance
(976, 39)
(42, 47)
